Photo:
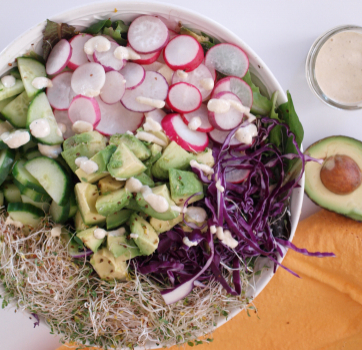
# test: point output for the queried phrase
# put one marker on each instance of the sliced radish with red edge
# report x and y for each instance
(84, 109)
(176, 130)
(107, 59)
(61, 94)
(62, 118)
(228, 59)
(154, 67)
(184, 97)
(78, 56)
(219, 137)
(154, 87)
(203, 114)
(114, 87)
(147, 34)
(59, 57)
(117, 119)
(134, 74)
(147, 58)
(157, 115)
(238, 87)
(183, 52)
(236, 176)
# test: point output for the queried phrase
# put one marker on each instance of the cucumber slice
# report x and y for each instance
(33, 153)
(17, 110)
(11, 91)
(52, 177)
(11, 193)
(33, 195)
(40, 108)
(14, 72)
(73, 206)
(25, 178)
(26, 213)
(44, 206)
(5, 102)
(59, 214)
(7, 157)
(30, 69)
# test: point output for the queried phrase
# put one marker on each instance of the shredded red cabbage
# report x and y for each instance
(37, 322)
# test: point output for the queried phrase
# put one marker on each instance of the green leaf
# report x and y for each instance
(116, 35)
(78, 240)
(52, 34)
(276, 136)
(206, 41)
(190, 343)
(97, 27)
(120, 26)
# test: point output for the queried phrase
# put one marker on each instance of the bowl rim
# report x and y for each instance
(157, 7)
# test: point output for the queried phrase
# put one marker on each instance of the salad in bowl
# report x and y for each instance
(147, 179)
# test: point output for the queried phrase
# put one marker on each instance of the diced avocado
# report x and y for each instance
(121, 246)
(110, 203)
(101, 159)
(183, 184)
(147, 240)
(109, 184)
(79, 223)
(163, 226)
(205, 157)
(162, 190)
(118, 218)
(174, 157)
(133, 143)
(124, 164)
(88, 239)
(86, 196)
(68, 241)
(145, 179)
(84, 138)
(107, 266)
(132, 205)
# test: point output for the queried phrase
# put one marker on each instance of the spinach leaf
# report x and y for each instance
(205, 40)
(116, 30)
(97, 27)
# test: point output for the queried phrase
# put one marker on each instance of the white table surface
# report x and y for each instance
(280, 31)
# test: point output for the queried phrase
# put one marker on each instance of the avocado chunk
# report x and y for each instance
(101, 159)
(205, 157)
(147, 240)
(109, 184)
(336, 184)
(133, 143)
(88, 239)
(118, 218)
(174, 157)
(144, 206)
(165, 225)
(184, 184)
(84, 138)
(107, 266)
(133, 205)
(110, 203)
(145, 179)
(86, 196)
(68, 241)
(156, 153)
(79, 223)
(124, 164)
(120, 246)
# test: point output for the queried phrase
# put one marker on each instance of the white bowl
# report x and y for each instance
(84, 16)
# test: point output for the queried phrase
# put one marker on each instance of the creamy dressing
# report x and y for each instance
(8, 81)
(41, 83)
(203, 167)
(157, 202)
(97, 43)
(99, 233)
(194, 123)
(218, 105)
(50, 151)
(59, 132)
(56, 231)
(179, 209)
(129, 132)
(40, 128)
(338, 67)
(133, 185)
(189, 243)
(167, 73)
(148, 137)
(9, 221)
(245, 134)
(126, 53)
(134, 235)
(117, 233)
(182, 74)
(207, 83)
(197, 214)
(219, 186)
(81, 126)
(152, 125)
(220, 233)
(15, 139)
(213, 229)
(150, 102)
(229, 240)
(87, 165)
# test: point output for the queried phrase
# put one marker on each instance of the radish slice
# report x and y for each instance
(153, 87)
(134, 75)
(62, 118)
(184, 97)
(183, 52)
(117, 119)
(147, 34)
(228, 59)
(236, 176)
(157, 115)
(203, 114)
(238, 87)
(176, 130)
(107, 59)
(88, 79)
(155, 66)
(114, 87)
(199, 77)
(59, 57)
(78, 57)
(171, 34)
(147, 58)
(230, 119)
(90, 58)
(84, 109)
(61, 94)
(219, 136)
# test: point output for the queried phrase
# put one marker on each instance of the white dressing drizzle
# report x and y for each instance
(148, 137)
(189, 243)
(203, 167)
(219, 186)
(56, 231)
(213, 229)
(81, 126)
(99, 233)
(150, 102)
(15, 139)
(133, 185)
(194, 123)
(207, 83)
(40, 128)
(8, 81)
(50, 151)
(117, 233)
(87, 165)
(41, 82)
(229, 240)
(152, 125)
(245, 134)
(197, 214)
(126, 53)
(134, 235)
(179, 209)
(97, 43)
(182, 74)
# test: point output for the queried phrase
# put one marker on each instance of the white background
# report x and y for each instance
(281, 33)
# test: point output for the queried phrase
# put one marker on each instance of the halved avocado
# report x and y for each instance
(340, 191)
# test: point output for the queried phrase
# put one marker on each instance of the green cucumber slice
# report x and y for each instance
(59, 214)
(11, 91)
(33, 195)
(73, 206)
(11, 193)
(44, 206)
(17, 110)
(4, 103)
(7, 157)
(26, 213)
